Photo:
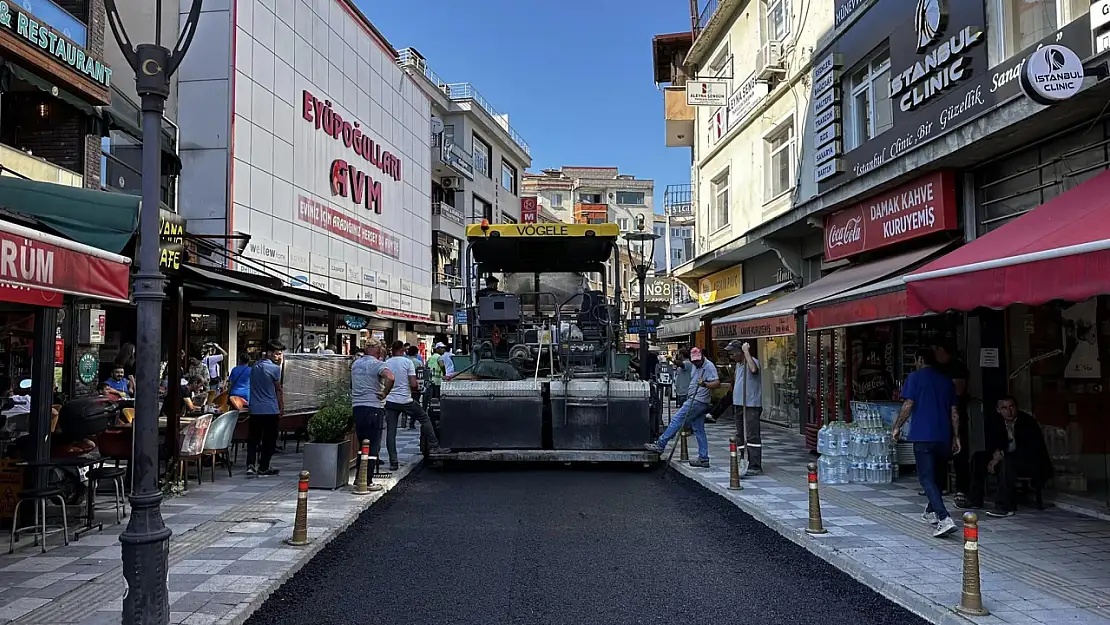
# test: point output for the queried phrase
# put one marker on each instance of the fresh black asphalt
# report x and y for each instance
(557, 546)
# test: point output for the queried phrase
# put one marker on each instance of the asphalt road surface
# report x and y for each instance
(566, 547)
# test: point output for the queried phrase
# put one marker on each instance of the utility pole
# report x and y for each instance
(146, 539)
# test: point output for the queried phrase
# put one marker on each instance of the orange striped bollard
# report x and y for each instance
(300, 524)
(971, 596)
(816, 527)
(733, 466)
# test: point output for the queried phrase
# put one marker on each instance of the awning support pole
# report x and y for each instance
(42, 392)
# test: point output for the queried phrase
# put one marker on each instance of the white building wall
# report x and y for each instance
(281, 163)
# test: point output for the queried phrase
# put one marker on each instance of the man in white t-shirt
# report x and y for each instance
(400, 401)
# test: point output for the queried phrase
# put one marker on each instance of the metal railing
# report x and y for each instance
(449, 280)
(408, 57)
(706, 9)
(678, 200)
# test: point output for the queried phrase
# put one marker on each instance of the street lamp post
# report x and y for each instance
(146, 538)
(647, 259)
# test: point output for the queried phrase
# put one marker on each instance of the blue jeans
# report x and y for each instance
(928, 456)
(696, 411)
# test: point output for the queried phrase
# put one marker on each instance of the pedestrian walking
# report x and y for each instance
(400, 401)
(683, 373)
(930, 399)
(267, 403)
(371, 382)
(747, 403)
(693, 411)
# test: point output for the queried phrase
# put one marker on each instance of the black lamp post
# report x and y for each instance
(146, 539)
(647, 260)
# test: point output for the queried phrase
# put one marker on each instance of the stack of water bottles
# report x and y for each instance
(861, 452)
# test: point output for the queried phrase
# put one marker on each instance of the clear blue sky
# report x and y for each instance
(575, 76)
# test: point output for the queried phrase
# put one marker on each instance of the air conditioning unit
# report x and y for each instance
(769, 61)
(452, 183)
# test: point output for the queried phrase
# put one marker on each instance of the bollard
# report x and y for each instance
(364, 483)
(683, 447)
(971, 599)
(815, 525)
(733, 466)
(300, 525)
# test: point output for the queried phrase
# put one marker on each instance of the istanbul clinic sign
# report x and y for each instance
(925, 206)
(346, 179)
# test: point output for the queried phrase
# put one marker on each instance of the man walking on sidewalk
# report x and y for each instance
(694, 410)
(930, 398)
(400, 401)
(747, 403)
(371, 381)
(267, 404)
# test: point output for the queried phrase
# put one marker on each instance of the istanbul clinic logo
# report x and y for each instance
(1054, 58)
(930, 19)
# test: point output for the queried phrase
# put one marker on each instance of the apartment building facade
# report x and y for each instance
(594, 195)
(478, 163)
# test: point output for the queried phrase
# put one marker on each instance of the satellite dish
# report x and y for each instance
(437, 125)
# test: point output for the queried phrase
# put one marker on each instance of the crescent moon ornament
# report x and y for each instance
(147, 67)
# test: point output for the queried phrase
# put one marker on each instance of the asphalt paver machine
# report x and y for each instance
(546, 378)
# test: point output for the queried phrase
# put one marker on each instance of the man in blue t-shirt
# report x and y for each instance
(704, 379)
(930, 398)
(267, 402)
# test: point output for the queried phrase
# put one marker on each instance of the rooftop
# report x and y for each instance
(459, 91)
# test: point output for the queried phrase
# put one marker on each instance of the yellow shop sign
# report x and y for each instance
(720, 286)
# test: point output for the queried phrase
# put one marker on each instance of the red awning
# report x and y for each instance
(883, 301)
(36, 268)
(1060, 250)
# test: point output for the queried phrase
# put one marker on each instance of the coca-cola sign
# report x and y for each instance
(922, 207)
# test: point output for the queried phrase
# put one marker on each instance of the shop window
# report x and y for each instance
(780, 159)
(1020, 24)
(446, 252)
(778, 19)
(250, 336)
(719, 211)
(869, 109)
(481, 156)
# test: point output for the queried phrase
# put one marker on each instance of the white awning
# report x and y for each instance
(691, 322)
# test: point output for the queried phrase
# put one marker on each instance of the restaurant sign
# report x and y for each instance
(64, 51)
(171, 244)
(924, 206)
(782, 325)
(720, 286)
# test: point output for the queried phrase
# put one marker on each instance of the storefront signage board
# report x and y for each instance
(171, 246)
(335, 221)
(1052, 74)
(872, 309)
(721, 285)
(920, 111)
(529, 208)
(38, 264)
(62, 51)
(921, 207)
(655, 289)
(706, 93)
(755, 328)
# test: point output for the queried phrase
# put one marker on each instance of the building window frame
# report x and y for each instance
(508, 177)
(781, 143)
(621, 196)
(864, 86)
(448, 270)
(481, 155)
(480, 209)
(778, 14)
(557, 200)
(507, 218)
(622, 223)
(720, 67)
(1003, 20)
(719, 209)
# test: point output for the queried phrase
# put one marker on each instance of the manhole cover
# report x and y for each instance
(252, 527)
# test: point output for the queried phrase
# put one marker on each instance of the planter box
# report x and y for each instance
(328, 464)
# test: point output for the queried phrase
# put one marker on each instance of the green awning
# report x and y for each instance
(98, 218)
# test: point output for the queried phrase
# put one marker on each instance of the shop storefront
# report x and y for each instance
(327, 175)
(774, 344)
(1048, 272)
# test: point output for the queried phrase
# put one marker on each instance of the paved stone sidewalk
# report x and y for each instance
(226, 555)
(1050, 566)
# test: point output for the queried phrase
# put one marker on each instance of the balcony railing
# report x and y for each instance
(449, 280)
(460, 91)
(706, 9)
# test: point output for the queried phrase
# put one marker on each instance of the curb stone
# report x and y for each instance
(914, 602)
(243, 611)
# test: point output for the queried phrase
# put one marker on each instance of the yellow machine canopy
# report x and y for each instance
(542, 248)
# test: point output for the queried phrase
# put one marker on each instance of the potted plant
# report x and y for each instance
(327, 455)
